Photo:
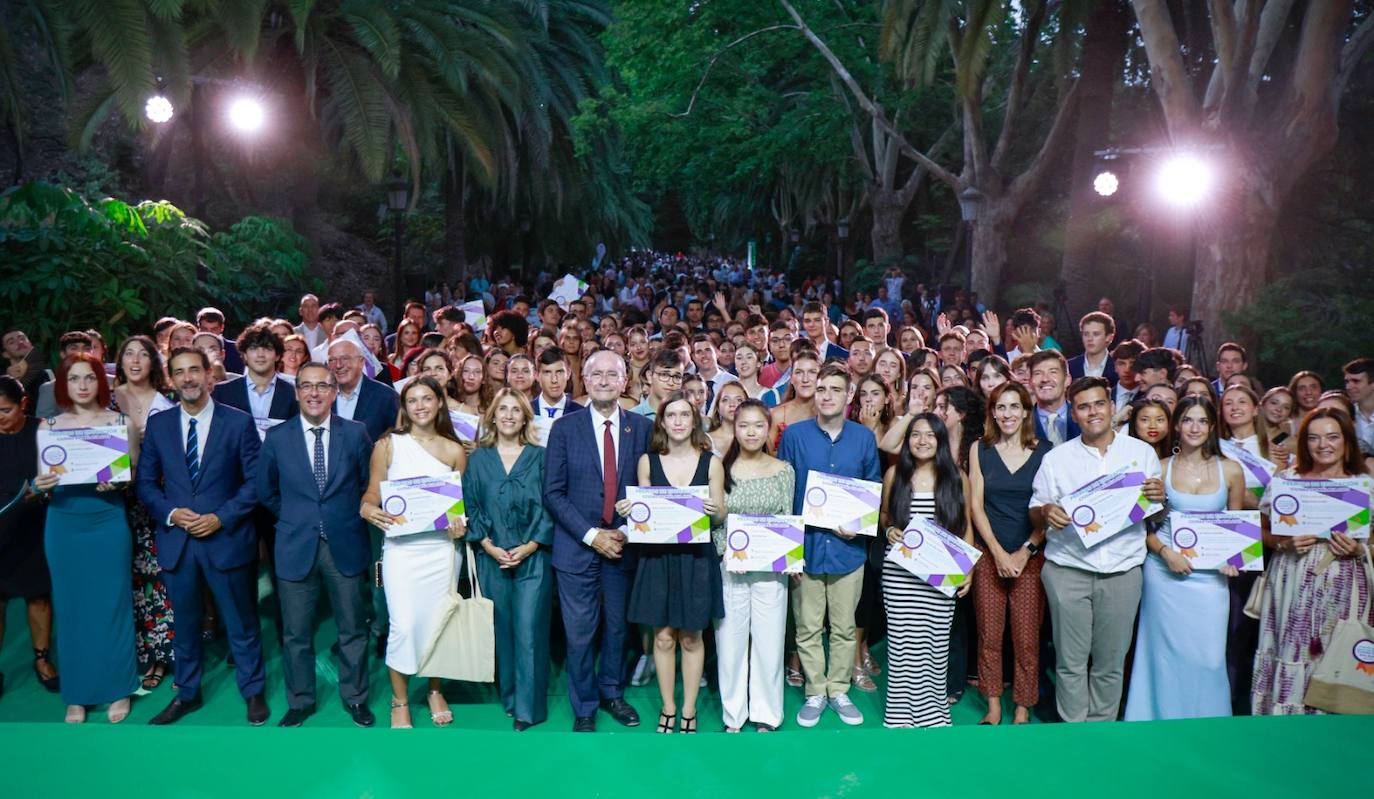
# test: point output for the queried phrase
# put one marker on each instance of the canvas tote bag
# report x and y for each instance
(464, 643)
(1343, 680)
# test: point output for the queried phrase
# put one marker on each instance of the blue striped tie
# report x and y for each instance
(192, 453)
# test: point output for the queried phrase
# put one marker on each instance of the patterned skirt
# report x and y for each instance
(152, 608)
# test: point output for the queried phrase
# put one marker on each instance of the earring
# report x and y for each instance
(1175, 449)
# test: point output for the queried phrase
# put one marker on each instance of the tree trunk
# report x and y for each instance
(455, 267)
(990, 235)
(1232, 253)
(1104, 46)
(888, 212)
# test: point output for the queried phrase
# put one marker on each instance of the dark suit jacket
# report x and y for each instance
(572, 481)
(226, 487)
(376, 409)
(234, 393)
(286, 486)
(233, 362)
(1071, 428)
(834, 352)
(568, 407)
(1077, 362)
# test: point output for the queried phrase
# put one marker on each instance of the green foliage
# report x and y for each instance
(1316, 319)
(70, 262)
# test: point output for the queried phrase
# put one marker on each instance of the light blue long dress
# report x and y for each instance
(1179, 669)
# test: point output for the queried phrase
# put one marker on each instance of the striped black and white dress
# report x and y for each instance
(918, 624)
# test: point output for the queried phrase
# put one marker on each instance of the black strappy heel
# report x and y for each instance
(53, 683)
(689, 726)
(666, 722)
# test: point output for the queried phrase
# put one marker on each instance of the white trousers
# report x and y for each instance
(749, 647)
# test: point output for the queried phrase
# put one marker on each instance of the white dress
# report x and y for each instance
(416, 569)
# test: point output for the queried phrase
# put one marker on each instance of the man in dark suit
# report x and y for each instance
(261, 392)
(312, 474)
(196, 475)
(815, 323)
(1097, 331)
(592, 456)
(1048, 382)
(211, 320)
(553, 400)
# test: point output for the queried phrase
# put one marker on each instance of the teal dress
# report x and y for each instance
(90, 555)
(508, 508)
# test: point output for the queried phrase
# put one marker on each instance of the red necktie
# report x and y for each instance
(608, 475)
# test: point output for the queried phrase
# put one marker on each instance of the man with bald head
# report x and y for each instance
(592, 456)
(360, 399)
(310, 328)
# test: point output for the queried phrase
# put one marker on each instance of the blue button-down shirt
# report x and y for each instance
(853, 453)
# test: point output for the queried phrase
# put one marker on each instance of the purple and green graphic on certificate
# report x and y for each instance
(934, 554)
(1259, 472)
(1107, 505)
(764, 544)
(1212, 540)
(832, 502)
(84, 455)
(1320, 507)
(668, 515)
(423, 504)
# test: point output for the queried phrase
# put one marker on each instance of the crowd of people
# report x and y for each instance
(267, 453)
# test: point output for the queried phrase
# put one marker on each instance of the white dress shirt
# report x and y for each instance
(347, 404)
(598, 423)
(1069, 467)
(552, 410)
(1364, 428)
(1089, 370)
(260, 402)
(314, 337)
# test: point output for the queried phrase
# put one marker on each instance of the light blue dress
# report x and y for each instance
(1179, 669)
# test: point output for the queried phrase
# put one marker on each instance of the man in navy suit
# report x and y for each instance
(1097, 331)
(196, 475)
(814, 322)
(1048, 382)
(592, 456)
(553, 400)
(312, 474)
(261, 392)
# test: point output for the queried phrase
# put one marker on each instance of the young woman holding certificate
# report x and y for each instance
(928, 482)
(1001, 469)
(503, 492)
(750, 638)
(90, 556)
(1184, 613)
(1309, 581)
(677, 587)
(417, 569)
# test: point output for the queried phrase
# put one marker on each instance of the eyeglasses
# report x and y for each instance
(314, 388)
(339, 360)
(669, 377)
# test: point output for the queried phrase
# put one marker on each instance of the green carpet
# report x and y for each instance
(214, 753)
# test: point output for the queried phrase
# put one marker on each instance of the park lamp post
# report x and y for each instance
(397, 199)
(970, 206)
(842, 231)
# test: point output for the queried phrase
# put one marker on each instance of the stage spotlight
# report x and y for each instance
(1106, 183)
(246, 115)
(158, 109)
(1184, 180)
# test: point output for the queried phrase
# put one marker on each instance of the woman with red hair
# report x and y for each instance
(90, 556)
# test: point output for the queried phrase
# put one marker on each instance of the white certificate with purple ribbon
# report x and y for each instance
(1212, 540)
(935, 555)
(465, 425)
(832, 501)
(1258, 471)
(475, 314)
(423, 504)
(1320, 507)
(764, 544)
(668, 515)
(1107, 505)
(85, 455)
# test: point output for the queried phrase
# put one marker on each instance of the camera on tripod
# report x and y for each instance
(1194, 328)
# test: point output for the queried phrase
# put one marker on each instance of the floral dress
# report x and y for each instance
(152, 607)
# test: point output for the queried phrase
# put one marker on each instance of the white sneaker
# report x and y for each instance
(810, 713)
(848, 713)
(644, 671)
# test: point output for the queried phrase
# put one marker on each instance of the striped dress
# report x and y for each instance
(918, 625)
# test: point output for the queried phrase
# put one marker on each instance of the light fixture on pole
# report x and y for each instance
(246, 114)
(1106, 183)
(158, 109)
(1184, 180)
(970, 206)
(397, 199)
(841, 231)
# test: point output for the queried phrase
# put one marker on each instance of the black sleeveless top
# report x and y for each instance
(1006, 495)
(700, 478)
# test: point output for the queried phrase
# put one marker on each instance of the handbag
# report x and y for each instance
(464, 643)
(1254, 604)
(1343, 679)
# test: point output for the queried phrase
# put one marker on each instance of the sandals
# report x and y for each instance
(863, 682)
(119, 710)
(689, 726)
(76, 714)
(868, 664)
(400, 714)
(441, 718)
(154, 677)
(667, 722)
(51, 683)
(794, 677)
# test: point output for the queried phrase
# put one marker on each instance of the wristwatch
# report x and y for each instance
(1034, 550)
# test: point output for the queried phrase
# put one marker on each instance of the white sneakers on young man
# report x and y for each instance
(811, 712)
